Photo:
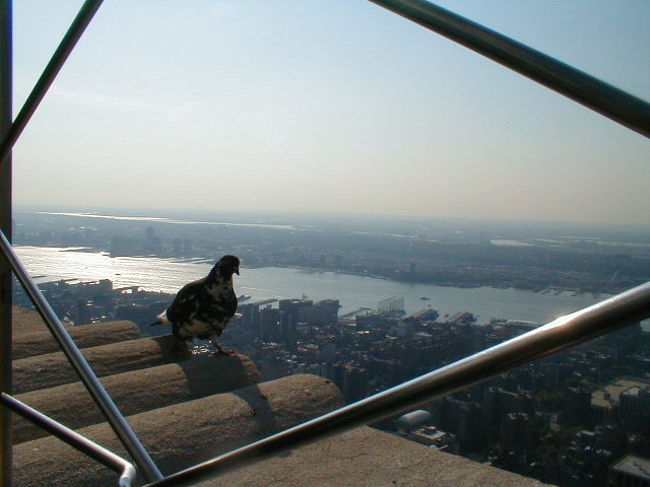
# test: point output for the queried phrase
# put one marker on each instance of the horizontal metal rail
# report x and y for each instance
(602, 97)
(93, 450)
(614, 313)
(80, 364)
(74, 33)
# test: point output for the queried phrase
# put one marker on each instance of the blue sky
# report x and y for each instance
(329, 107)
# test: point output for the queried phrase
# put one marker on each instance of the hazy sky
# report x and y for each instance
(329, 106)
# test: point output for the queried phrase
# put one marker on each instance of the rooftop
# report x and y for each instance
(609, 396)
(633, 465)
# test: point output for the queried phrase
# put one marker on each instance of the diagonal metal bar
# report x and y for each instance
(567, 331)
(67, 44)
(604, 98)
(80, 364)
(74, 439)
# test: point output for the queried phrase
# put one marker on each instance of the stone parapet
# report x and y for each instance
(53, 369)
(181, 435)
(138, 391)
(39, 342)
(366, 457)
(25, 320)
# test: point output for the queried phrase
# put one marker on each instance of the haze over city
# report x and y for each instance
(329, 107)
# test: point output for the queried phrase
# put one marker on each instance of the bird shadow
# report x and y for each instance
(173, 349)
(233, 374)
(261, 409)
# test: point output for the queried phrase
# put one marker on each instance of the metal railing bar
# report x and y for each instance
(80, 364)
(629, 307)
(67, 44)
(602, 97)
(90, 448)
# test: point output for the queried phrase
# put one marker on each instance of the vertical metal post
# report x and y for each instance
(5, 226)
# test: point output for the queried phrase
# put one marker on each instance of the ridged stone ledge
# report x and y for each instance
(25, 320)
(366, 457)
(53, 369)
(41, 341)
(181, 435)
(138, 391)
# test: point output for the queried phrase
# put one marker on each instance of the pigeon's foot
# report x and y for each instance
(222, 351)
(219, 353)
(227, 352)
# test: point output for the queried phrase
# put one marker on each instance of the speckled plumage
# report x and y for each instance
(203, 307)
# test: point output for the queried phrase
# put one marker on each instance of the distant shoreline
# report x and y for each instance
(541, 258)
(552, 289)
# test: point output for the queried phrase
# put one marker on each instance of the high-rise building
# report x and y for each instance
(629, 471)
(634, 409)
(517, 432)
(329, 309)
(152, 244)
(250, 317)
(270, 324)
(289, 320)
(578, 406)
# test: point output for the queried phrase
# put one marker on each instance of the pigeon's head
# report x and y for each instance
(226, 266)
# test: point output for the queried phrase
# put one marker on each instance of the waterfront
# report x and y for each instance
(353, 292)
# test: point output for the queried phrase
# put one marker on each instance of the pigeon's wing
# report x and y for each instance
(185, 303)
(229, 303)
(218, 306)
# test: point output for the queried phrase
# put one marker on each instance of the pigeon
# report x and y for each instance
(203, 308)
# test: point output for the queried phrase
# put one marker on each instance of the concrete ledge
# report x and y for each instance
(138, 391)
(366, 457)
(183, 434)
(42, 342)
(25, 320)
(53, 369)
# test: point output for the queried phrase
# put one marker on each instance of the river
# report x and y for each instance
(353, 292)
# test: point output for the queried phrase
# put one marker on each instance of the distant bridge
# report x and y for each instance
(355, 312)
(391, 305)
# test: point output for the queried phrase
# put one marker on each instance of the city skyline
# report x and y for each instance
(337, 108)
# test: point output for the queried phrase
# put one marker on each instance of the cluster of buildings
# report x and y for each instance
(363, 353)
(577, 418)
(151, 244)
(79, 303)
(281, 324)
(568, 419)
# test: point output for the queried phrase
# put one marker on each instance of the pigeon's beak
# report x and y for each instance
(236, 270)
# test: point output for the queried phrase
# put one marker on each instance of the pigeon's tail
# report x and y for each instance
(162, 320)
